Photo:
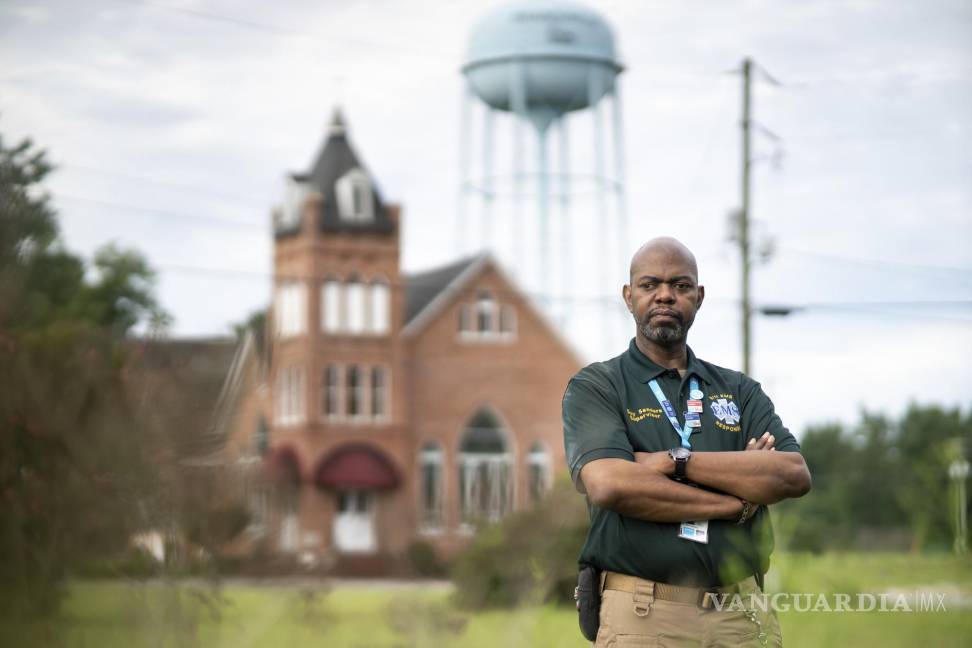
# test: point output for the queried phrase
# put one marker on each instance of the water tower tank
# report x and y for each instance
(529, 65)
(543, 59)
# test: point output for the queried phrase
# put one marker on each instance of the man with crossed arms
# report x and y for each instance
(678, 458)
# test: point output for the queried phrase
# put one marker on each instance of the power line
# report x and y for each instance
(193, 218)
(608, 301)
(248, 200)
(214, 221)
(875, 262)
(290, 32)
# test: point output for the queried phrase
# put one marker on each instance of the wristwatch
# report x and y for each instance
(681, 457)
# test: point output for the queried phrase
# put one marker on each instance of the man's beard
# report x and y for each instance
(664, 335)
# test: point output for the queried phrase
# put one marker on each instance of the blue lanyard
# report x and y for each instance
(684, 432)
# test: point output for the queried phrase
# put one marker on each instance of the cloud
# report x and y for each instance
(231, 95)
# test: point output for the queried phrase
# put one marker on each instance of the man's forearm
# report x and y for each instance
(759, 477)
(637, 491)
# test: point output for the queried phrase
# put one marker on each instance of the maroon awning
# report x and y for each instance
(356, 466)
(281, 465)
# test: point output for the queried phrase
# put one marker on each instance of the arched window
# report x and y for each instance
(538, 471)
(485, 478)
(355, 302)
(354, 198)
(430, 467)
(331, 306)
(380, 308)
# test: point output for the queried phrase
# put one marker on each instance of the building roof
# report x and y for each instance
(335, 159)
(428, 293)
(177, 384)
(423, 287)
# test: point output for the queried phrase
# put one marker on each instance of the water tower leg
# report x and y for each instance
(566, 233)
(619, 180)
(595, 89)
(543, 205)
(487, 210)
(518, 101)
(460, 235)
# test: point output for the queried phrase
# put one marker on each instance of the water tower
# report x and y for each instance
(532, 64)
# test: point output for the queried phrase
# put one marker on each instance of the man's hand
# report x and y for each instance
(764, 442)
(663, 464)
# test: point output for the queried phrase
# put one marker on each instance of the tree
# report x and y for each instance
(75, 473)
(882, 476)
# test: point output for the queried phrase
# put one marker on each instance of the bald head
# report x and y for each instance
(667, 251)
(664, 294)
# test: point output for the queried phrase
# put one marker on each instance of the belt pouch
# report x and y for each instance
(587, 594)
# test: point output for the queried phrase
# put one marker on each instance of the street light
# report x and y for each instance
(958, 470)
(778, 310)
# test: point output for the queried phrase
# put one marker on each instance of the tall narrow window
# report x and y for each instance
(538, 470)
(261, 438)
(290, 308)
(380, 297)
(378, 393)
(332, 387)
(289, 396)
(430, 461)
(355, 293)
(355, 406)
(331, 306)
(485, 312)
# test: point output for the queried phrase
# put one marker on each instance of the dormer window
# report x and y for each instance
(486, 320)
(485, 313)
(354, 197)
(295, 194)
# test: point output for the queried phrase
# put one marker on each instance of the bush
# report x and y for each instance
(135, 563)
(530, 557)
(423, 560)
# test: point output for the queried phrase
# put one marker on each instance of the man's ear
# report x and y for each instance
(698, 304)
(626, 294)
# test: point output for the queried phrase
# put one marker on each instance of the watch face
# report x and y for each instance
(681, 453)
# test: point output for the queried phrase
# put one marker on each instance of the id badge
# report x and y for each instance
(694, 531)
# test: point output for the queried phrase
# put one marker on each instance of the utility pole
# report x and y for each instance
(744, 209)
(741, 219)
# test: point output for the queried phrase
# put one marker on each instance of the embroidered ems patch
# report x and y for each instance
(725, 410)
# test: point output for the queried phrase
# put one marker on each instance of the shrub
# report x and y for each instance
(530, 557)
(423, 560)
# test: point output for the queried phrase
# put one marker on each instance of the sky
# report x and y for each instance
(173, 122)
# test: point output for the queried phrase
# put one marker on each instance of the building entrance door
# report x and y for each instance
(354, 523)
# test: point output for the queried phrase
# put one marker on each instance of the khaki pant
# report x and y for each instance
(667, 624)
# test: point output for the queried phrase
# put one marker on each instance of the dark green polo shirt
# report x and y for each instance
(610, 411)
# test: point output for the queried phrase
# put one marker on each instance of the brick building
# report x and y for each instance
(378, 408)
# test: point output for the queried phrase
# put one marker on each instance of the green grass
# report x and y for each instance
(110, 614)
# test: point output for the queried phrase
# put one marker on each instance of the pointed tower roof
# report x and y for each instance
(337, 158)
